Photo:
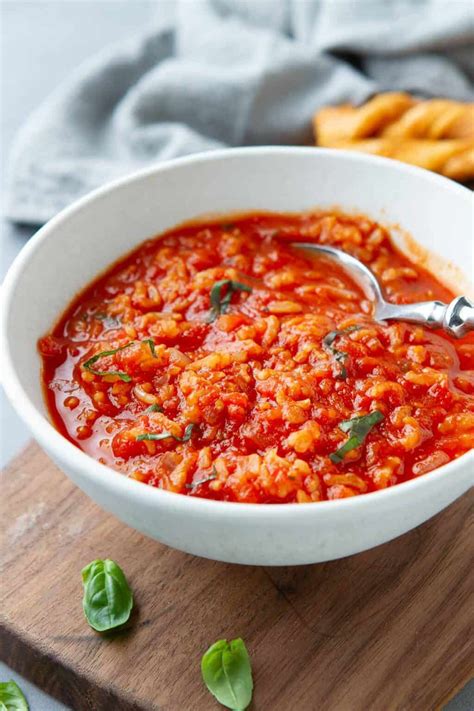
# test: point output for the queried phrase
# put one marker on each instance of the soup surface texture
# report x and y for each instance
(219, 361)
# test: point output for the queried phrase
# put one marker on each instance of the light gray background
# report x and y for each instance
(42, 41)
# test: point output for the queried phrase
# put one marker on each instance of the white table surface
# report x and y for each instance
(42, 41)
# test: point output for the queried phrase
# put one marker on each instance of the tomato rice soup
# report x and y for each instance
(219, 361)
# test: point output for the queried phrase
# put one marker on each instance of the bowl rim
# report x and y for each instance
(96, 473)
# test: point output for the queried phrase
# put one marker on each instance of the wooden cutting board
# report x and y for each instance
(385, 630)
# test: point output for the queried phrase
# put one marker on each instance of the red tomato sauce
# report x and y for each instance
(218, 361)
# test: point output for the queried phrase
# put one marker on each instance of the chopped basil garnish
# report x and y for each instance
(339, 356)
(358, 428)
(329, 339)
(118, 373)
(12, 697)
(154, 408)
(164, 435)
(107, 600)
(211, 477)
(151, 345)
(220, 303)
(227, 673)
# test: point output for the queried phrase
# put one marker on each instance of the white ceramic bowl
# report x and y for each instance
(83, 240)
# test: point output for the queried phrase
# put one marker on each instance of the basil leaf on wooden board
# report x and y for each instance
(358, 428)
(339, 356)
(220, 303)
(12, 697)
(164, 435)
(227, 673)
(107, 600)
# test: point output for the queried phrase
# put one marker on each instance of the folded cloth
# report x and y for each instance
(216, 73)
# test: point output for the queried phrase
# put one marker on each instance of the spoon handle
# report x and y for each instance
(456, 318)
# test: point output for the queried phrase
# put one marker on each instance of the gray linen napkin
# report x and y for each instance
(216, 73)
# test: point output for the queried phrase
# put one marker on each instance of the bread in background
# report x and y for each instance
(437, 134)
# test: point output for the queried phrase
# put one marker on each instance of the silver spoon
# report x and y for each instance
(456, 318)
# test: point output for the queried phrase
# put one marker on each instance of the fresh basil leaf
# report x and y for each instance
(338, 456)
(89, 363)
(361, 426)
(154, 408)
(118, 373)
(220, 303)
(339, 356)
(329, 339)
(12, 697)
(211, 477)
(227, 673)
(164, 435)
(151, 345)
(155, 437)
(358, 428)
(107, 600)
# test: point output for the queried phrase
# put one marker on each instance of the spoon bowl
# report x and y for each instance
(456, 318)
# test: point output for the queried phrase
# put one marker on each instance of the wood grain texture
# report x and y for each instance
(386, 630)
